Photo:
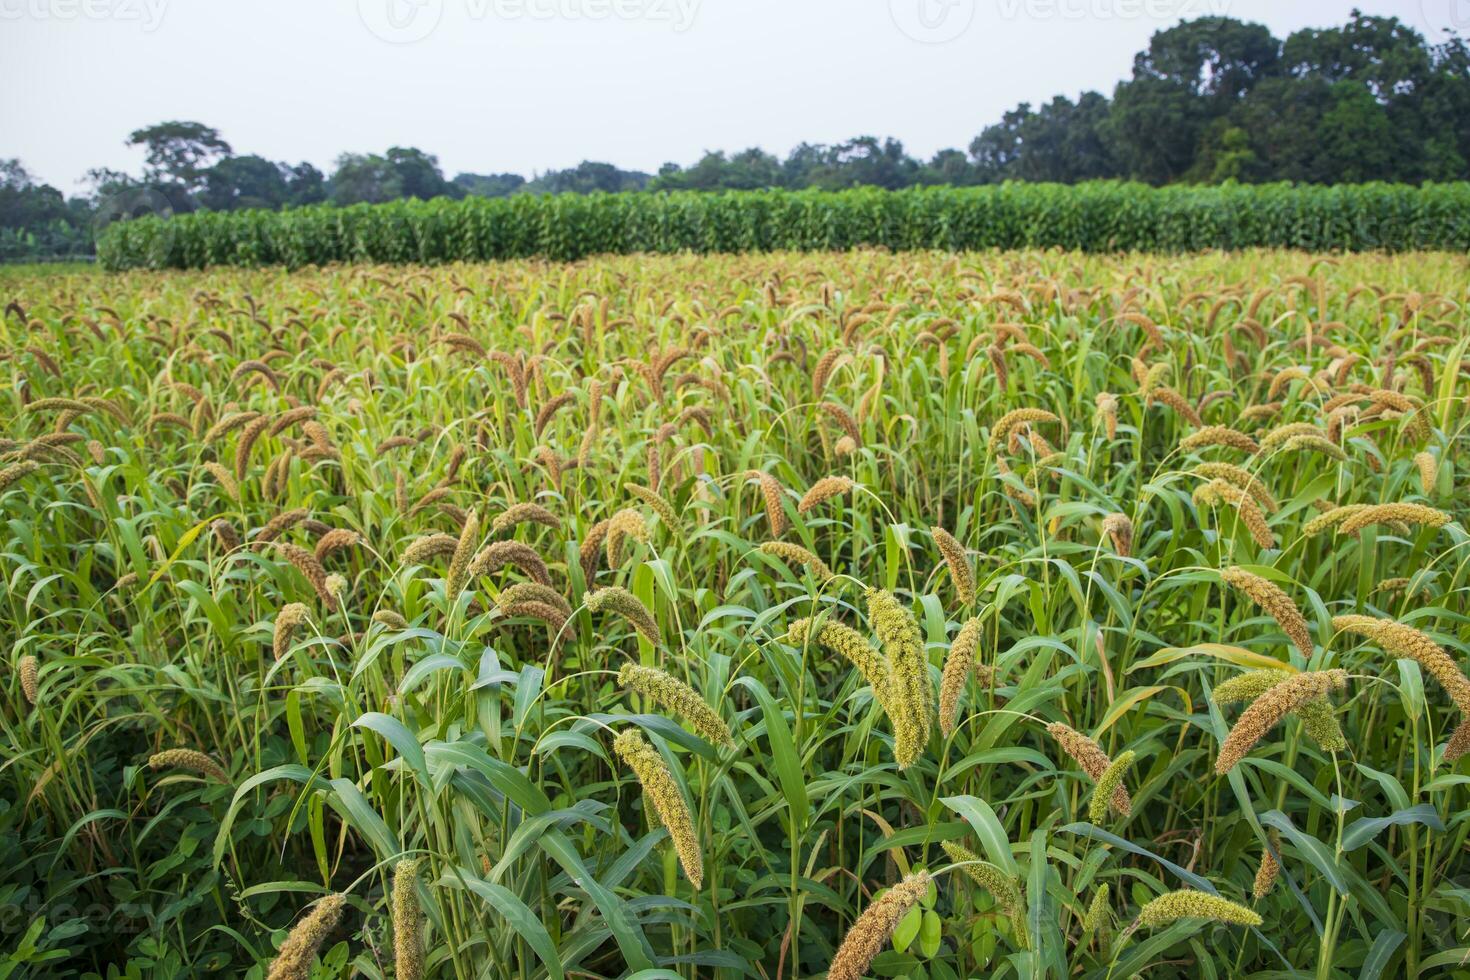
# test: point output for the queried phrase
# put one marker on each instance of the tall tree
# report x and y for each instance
(180, 152)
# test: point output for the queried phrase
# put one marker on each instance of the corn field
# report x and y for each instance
(917, 614)
(1100, 216)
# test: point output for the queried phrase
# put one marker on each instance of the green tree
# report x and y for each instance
(244, 182)
(180, 152)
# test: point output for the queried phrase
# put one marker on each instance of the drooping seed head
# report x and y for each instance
(1267, 710)
(662, 792)
(794, 553)
(294, 960)
(1002, 887)
(681, 699)
(193, 759)
(616, 599)
(959, 565)
(1188, 904)
(872, 930)
(957, 668)
(822, 491)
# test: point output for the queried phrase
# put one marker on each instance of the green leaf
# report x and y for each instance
(1318, 854)
(1360, 832)
(993, 839)
(514, 911)
(400, 738)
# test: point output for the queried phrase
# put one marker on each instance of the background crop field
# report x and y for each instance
(309, 576)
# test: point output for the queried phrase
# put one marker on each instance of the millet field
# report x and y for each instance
(933, 614)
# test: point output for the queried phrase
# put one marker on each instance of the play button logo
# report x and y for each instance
(400, 21)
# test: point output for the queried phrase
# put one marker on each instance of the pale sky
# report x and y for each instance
(532, 85)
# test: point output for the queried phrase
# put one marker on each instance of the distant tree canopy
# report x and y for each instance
(1210, 100)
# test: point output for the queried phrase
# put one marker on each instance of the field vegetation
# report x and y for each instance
(999, 614)
(1098, 216)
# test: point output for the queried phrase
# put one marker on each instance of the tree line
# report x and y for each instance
(1210, 100)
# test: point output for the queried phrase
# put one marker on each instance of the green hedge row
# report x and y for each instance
(1101, 216)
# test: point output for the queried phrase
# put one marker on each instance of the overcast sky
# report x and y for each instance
(532, 85)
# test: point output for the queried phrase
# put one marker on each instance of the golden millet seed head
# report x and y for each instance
(294, 960)
(872, 930)
(1189, 904)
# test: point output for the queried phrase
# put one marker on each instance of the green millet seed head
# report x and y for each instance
(795, 554)
(1093, 760)
(1098, 920)
(911, 696)
(616, 599)
(848, 643)
(681, 699)
(1111, 780)
(1188, 904)
(660, 790)
(1001, 886)
(1317, 714)
(459, 562)
(659, 506)
(390, 619)
(188, 759)
(408, 942)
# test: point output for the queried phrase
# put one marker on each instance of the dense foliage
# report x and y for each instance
(1210, 100)
(311, 575)
(1100, 216)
